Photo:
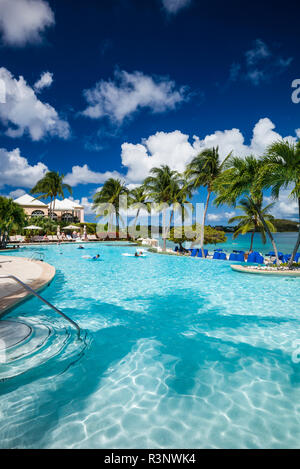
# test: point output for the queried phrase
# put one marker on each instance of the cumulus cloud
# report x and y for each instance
(171, 148)
(44, 81)
(222, 216)
(259, 64)
(84, 175)
(24, 21)
(233, 140)
(16, 193)
(16, 171)
(177, 149)
(285, 206)
(173, 6)
(128, 93)
(23, 113)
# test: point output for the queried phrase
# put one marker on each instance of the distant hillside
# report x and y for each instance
(285, 225)
(281, 226)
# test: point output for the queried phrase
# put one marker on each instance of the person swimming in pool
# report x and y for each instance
(96, 257)
(80, 247)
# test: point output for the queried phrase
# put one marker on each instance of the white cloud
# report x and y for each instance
(259, 64)
(83, 175)
(24, 21)
(128, 93)
(16, 193)
(222, 216)
(233, 140)
(176, 149)
(24, 113)
(285, 206)
(173, 149)
(173, 6)
(44, 81)
(16, 171)
(259, 52)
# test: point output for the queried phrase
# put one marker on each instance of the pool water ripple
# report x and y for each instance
(181, 352)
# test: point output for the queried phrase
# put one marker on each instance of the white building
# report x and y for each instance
(64, 210)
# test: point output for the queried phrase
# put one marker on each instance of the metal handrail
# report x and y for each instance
(30, 290)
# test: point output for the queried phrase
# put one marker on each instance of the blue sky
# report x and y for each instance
(94, 89)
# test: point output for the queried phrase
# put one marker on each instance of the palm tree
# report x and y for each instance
(281, 170)
(250, 221)
(110, 193)
(138, 199)
(12, 216)
(239, 178)
(164, 186)
(51, 185)
(203, 171)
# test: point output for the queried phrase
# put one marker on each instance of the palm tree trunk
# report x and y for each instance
(268, 231)
(136, 217)
(297, 242)
(53, 207)
(204, 218)
(252, 238)
(164, 231)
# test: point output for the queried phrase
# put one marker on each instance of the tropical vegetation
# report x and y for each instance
(107, 200)
(51, 186)
(281, 170)
(251, 221)
(203, 171)
(12, 216)
(211, 235)
(236, 181)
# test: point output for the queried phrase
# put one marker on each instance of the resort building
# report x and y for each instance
(64, 210)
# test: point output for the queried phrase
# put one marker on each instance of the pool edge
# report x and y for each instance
(9, 302)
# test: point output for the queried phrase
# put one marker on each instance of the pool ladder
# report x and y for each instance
(30, 290)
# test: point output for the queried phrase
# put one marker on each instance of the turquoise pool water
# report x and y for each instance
(179, 353)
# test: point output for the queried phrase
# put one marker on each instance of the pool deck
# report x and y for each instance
(36, 274)
(281, 273)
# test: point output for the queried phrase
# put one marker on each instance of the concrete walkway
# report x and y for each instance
(34, 273)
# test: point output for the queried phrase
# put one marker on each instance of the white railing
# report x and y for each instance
(30, 290)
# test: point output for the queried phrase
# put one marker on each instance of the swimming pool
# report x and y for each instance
(179, 353)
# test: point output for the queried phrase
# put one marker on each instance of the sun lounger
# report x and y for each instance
(216, 255)
(233, 256)
(223, 256)
(194, 252)
(255, 258)
(240, 257)
(200, 252)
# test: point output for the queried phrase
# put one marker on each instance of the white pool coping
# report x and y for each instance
(36, 274)
(281, 273)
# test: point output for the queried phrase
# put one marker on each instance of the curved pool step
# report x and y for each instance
(28, 343)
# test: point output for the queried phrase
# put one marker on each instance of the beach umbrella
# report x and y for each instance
(84, 231)
(32, 227)
(58, 231)
(71, 227)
